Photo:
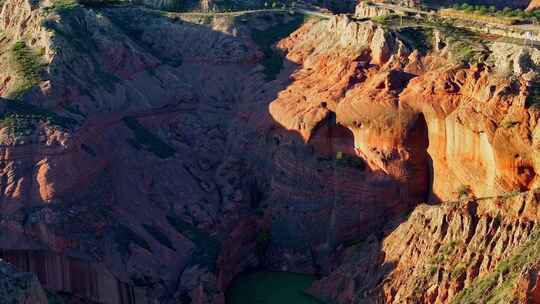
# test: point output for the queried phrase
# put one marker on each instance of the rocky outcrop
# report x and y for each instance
(99, 161)
(365, 10)
(455, 251)
(341, 56)
(20, 287)
(333, 59)
(515, 60)
(156, 149)
(397, 111)
(75, 277)
(533, 5)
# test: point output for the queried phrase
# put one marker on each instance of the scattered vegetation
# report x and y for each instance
(465, 46)
(78, 37)
(459, 271)
(343, 160)
(28, 66)
(499, 285)
(21, 119)
(266, 39)
(63, 6)
(491, 14)
(145, 139)
(445, 251)
(67, 6)
(385, 20)
(351, 161)
(418, 38)
(88, 150)
(463, 191)
(533, 99)
(207, 247)
(262, 243)
(444, 256)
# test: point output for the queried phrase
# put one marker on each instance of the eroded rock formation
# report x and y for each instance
(438, 253)
(170, 152)
(533, 5)
(20, 287)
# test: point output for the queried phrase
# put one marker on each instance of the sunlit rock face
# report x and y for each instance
(533, 5)
(449, 253)
(455, 124)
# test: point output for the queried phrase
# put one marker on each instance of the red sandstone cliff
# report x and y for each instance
(459, 252)
(475, 127)
(162, 154)
(534, 5)
(438, 128)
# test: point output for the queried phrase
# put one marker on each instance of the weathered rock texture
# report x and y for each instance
(20, 287)
(155, 149)
(73, 276)
(364, 10)
(408, 119)
(131, 151)
(439, 129)
(533, 5)
(469, 251)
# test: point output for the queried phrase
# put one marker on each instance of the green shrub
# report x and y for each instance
(21, 119)
(28, 67)
(507, 123)
(18, 125)
(419, 38)
(64, 6)
(351, 161)
(207, 248)
(458, 271)
(145, 139)
(487, 289)
(266, 39)
(262, 242)
(506, 16)
(463, 191)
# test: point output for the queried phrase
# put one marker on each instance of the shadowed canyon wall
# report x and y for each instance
(170, 153)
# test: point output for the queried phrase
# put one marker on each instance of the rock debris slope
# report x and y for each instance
(473, 251)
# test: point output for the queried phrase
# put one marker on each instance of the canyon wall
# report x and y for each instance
(20, 287)
(533, 5)
(170, 153)
(76, 277)
(458, 252)
(399, 107)
(123, 164)
(442, 130)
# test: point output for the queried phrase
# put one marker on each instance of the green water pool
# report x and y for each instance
(267, 287)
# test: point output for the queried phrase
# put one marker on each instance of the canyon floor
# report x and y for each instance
(153, 157)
